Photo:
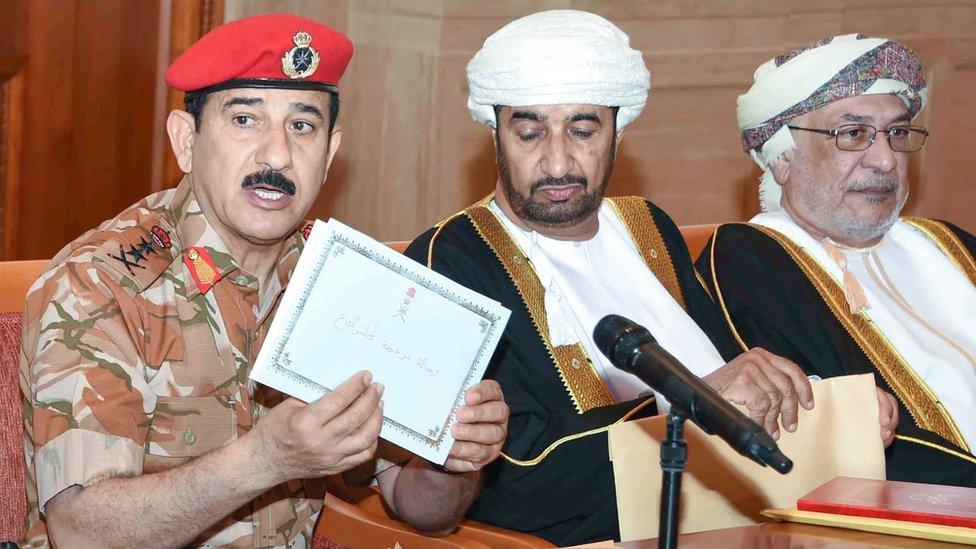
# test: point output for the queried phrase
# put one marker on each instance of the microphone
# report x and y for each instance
(634, 350)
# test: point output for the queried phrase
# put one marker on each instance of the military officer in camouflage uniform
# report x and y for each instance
(142, 428)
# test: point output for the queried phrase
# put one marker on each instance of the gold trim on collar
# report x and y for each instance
(938, 447)
(920, 401)
(948, 242)
(433, 238)
(704, 285)
(632, 210)
(585, 386)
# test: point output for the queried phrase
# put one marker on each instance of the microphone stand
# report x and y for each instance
(674, 455)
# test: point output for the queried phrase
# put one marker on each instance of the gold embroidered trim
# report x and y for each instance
(718, 293)
(586, 388)
(922, 404)
(948, 242)
(589, 387)
(559, 442)
(938, 447)
(430, 245)
(633, 211)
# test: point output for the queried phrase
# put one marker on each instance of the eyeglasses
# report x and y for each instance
(859, 137)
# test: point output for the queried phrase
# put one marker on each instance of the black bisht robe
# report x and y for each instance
(568, 497)
(773, 303)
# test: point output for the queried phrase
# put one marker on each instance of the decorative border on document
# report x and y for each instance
(335, 246)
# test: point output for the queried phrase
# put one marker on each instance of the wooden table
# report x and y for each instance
(785, 535)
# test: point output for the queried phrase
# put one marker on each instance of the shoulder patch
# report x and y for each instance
(136, 256)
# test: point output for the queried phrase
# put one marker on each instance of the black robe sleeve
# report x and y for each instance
(569, 497)
(774, 306)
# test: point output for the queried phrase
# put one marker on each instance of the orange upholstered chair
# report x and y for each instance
(15, 278)
(357, 517)
(400, 246)
(368, 524)
(344, 524)
(696, 236)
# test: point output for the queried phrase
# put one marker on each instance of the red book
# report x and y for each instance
(889, 499)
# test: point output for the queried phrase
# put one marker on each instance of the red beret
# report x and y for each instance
(265, 51)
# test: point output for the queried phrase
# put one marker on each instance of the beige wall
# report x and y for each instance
(411, 155)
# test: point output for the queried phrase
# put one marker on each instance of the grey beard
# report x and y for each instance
(857, 231)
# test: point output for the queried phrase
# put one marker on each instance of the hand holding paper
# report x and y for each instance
(481, 428)
(354, 304)
(771, 388)
(329, 436)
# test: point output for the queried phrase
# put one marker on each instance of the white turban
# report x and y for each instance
(809, 78)
(554, 58)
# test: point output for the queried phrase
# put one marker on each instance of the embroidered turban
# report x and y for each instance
(809, 78)
(558, 57)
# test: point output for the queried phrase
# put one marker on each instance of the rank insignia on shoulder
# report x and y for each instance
(302, 60)
(160, 237)
(137, 256)
(202, 268)
(138, 252)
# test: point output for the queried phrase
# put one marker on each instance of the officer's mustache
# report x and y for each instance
(269, 178)
(888, 184)
(558, 182)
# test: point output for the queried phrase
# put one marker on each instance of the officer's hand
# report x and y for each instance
(326, 437)
(768, 385)
(480, 430)
(888, 415)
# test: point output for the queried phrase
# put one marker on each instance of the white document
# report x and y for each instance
(354, 304)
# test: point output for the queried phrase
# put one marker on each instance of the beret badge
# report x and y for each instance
(302, 60)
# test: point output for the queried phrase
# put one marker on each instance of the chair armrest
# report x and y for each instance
(492, 536)
(343, 524)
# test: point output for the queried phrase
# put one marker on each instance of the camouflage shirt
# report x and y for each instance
(137, 343)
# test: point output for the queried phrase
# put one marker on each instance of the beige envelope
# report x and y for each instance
(721, 489)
